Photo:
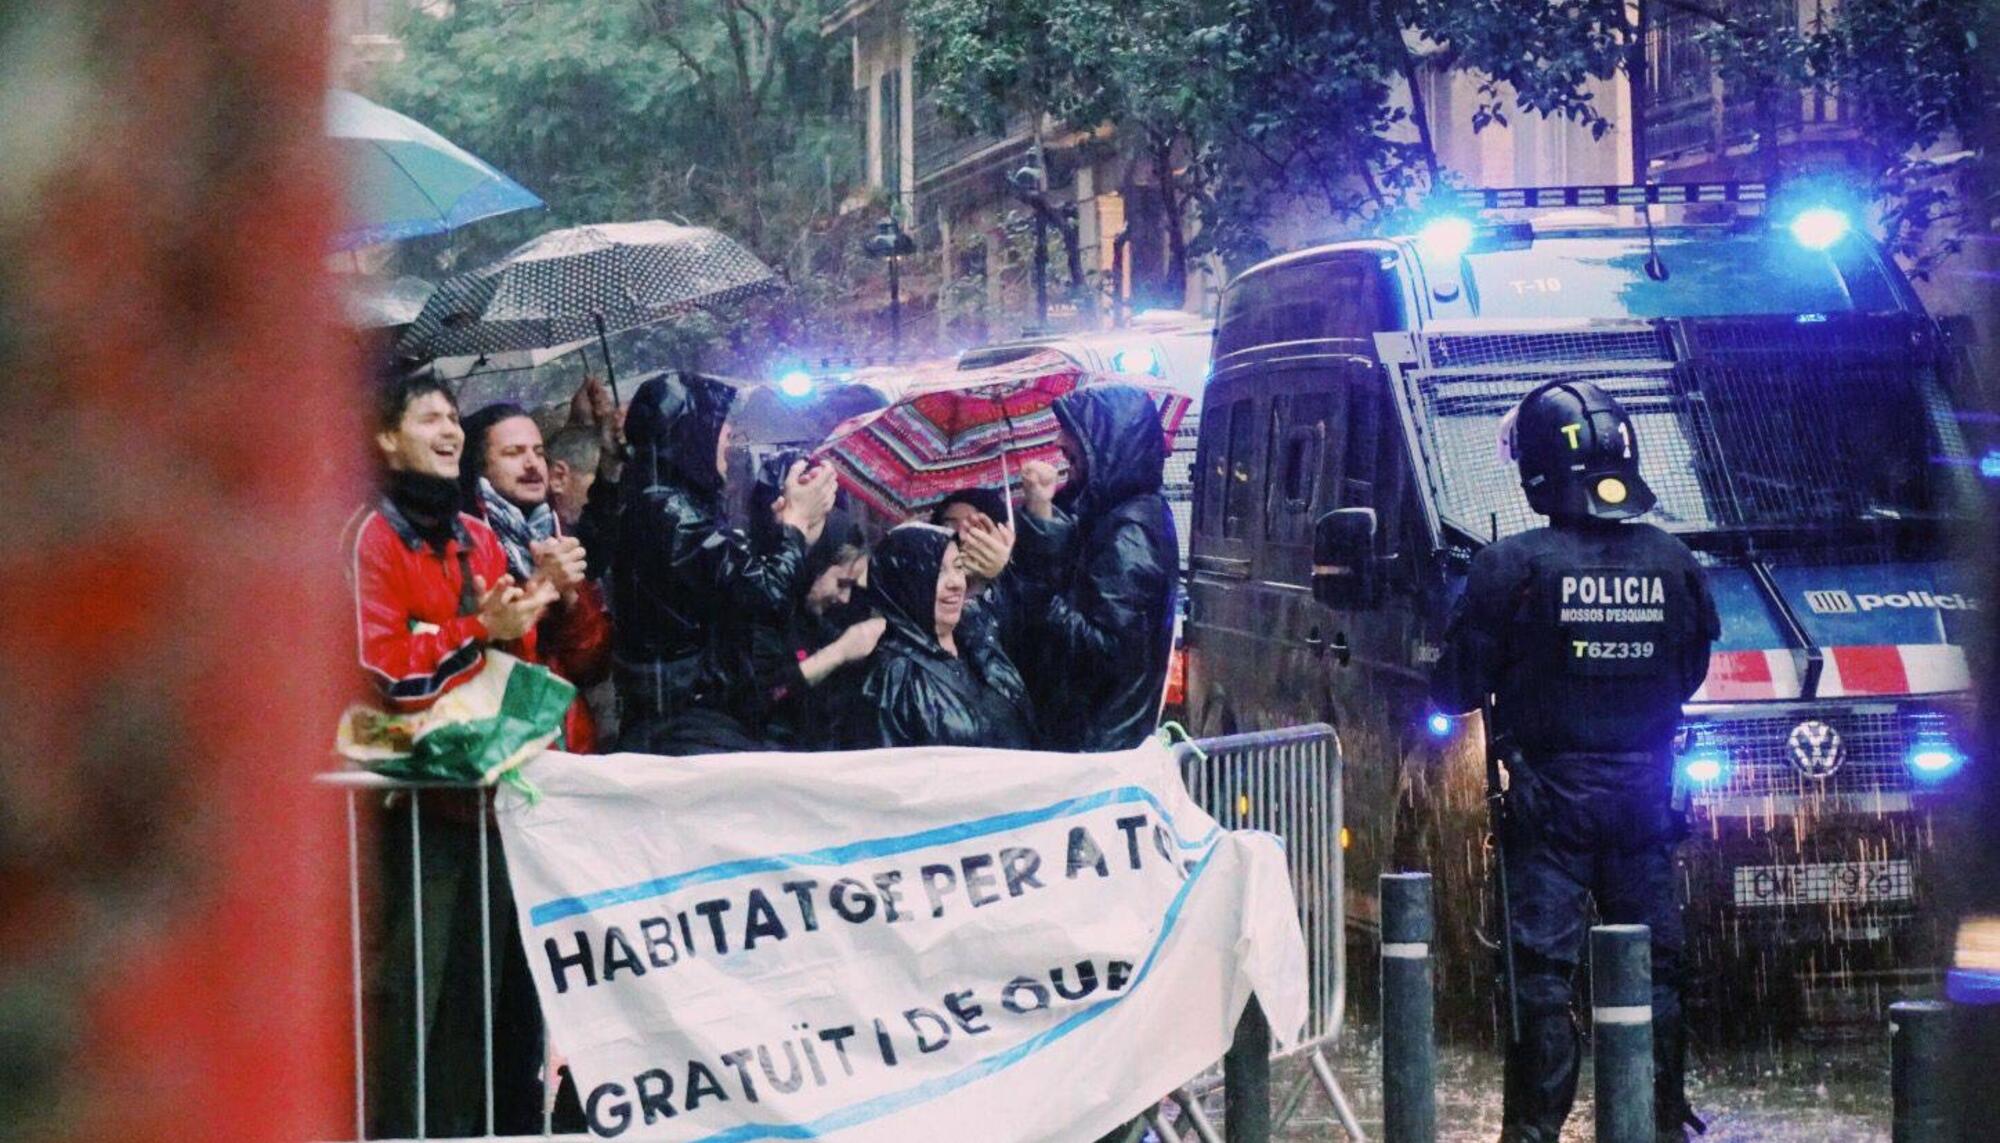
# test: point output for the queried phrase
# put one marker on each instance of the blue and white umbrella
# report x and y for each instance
(405, 180)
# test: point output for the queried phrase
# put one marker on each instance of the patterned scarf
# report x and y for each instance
(515, 528)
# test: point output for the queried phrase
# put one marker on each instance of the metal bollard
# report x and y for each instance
(1919, 1080)
(1409, 1044)
(1621, 998)
(1246, 1079)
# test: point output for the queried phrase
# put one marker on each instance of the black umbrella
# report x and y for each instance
(766, 415)
(377, 303)
(587, 280)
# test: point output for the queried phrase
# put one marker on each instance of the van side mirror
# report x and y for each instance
(1346, 570)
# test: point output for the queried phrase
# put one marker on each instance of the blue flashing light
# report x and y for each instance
(1438, 724)
(1989, 465)
(1933, 758)
(798, 383)
(1446, 238)
(1704, 767)
(1143, 359)
(1818, 227)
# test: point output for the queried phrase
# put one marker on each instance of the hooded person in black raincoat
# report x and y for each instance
(931, 681)
(679, 565)
(793, 674)
(1103, 555)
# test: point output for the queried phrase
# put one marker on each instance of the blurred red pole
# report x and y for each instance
(178, 430)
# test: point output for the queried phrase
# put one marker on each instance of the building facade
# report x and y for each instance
(958, 194)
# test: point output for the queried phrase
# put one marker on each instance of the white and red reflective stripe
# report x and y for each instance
(1898, 669)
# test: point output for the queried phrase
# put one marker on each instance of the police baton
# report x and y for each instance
(1496, 808)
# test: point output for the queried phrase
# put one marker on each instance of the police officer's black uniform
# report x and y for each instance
(1589, 634)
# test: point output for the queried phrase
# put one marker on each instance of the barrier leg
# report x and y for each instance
(1161, 1127)
(1621, 997)
(1246, 1079)
(1918, 1077)
(1409, 1045)
(1198, 1119)
(1343, 1110)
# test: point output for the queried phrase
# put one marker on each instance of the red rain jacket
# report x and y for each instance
(417, 628)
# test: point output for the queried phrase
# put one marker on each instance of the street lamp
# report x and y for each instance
(1027, 186)
(890, 241)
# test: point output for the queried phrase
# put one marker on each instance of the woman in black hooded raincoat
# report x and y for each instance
(1099, 574)
(789, 676)
(931, 682)
(679, 565)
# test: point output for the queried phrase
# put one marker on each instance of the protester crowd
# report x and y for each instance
(614, 550)
(760, 614)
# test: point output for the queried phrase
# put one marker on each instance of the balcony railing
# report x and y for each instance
(941, 145)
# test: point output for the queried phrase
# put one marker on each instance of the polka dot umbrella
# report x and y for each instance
(585, 281)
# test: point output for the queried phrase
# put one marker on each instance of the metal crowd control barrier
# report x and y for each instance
(471, 801)
(1285, 782)
(1288, 782)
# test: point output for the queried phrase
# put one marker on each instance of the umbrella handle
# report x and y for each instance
(1006, 496)
(604, 346)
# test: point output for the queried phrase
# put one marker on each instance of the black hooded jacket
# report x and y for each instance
(678, 565)
(916, 693)
(762, 653)
(1105, 632)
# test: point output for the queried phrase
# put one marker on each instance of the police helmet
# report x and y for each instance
(1577, 452)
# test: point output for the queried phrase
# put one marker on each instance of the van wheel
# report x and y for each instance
(1218, 717)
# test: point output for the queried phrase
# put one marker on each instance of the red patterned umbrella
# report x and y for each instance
(951, 429)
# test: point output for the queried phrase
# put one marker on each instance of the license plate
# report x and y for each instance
(1831, 883)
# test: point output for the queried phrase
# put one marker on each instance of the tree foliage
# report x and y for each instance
(1240, 105)
(723, 113)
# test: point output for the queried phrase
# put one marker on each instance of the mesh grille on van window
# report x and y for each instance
(1470, 350)
(1741, 422)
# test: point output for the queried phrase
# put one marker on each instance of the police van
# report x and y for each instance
(1795, 412)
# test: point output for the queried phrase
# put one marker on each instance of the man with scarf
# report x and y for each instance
(432, 592)
(505, 482)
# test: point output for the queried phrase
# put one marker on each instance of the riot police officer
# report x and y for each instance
(1587, 635)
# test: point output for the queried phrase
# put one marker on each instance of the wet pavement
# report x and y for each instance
(1803, 1092)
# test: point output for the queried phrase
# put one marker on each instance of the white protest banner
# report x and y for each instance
(897, 944)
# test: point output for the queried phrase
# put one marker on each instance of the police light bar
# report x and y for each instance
(1646, 194)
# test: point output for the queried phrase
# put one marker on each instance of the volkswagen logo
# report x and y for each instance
(1816, 748)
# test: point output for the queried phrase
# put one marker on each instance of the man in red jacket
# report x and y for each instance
(432, 591)
(431, 585)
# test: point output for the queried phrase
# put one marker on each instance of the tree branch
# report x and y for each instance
(773, 32)
(739, 49)
(663, 25)
(1254, 145)
(1421, 113)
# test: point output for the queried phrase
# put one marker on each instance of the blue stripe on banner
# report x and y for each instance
(893, 1102)
(562, 908)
